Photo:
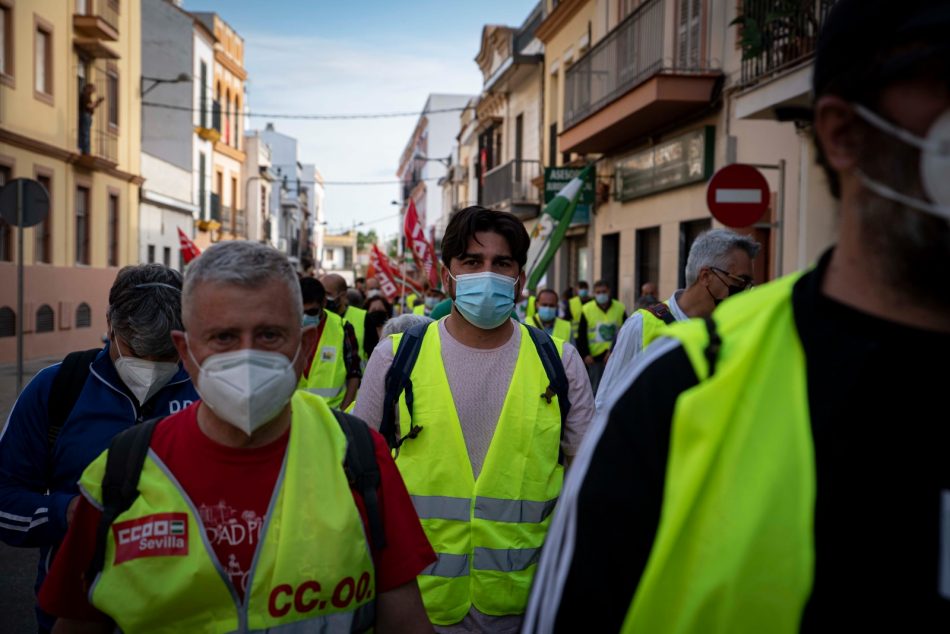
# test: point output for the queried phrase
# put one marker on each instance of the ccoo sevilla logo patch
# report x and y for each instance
(159, 535)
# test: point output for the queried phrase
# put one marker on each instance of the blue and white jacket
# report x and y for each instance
(36, 483)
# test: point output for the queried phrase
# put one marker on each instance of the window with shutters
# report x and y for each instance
(6, 229)
(83, 316)
(689, 34)
(82, 225)
(45, 319)
(7, 322)
(43, 250)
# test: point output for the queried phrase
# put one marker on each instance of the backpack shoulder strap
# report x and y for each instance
(120, 483)
(554, 369)
(67, 385)
(362, 471)
(661, 311)
(397, 380)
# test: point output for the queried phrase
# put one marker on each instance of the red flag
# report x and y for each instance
(383, 265)
(379, 265)
(188, 249)
(422, 251)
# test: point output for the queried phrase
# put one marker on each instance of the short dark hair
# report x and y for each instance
(312, 290)
(582, 284)
(601, 283)
(546, 290)
(360, 279)
(145, 306)
(471, 220)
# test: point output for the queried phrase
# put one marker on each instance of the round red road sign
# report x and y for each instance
(737, 195)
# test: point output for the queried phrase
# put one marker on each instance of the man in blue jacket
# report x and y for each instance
(137, 376)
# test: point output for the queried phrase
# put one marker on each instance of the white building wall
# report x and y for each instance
(203, 52)
(165, 207)
(441, 133)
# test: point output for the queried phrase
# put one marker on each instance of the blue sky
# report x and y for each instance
(308, 56)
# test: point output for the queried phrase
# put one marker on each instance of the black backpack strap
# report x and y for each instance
(362, 471)
(661, 311)
(120, 483)
(397, 380)
(67, 385)
(557, 378)
(712, 348)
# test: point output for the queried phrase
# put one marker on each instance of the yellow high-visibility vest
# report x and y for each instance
(488, 532)
(734, 551)
(312, 568)
(561, 330)
(356, 317)
(602, 327)
(327, 376)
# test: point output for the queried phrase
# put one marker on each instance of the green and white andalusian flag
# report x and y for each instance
(549, 232)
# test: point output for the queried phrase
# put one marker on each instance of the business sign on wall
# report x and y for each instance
(555, 178)
(679, 161)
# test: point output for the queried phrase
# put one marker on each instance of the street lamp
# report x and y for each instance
(182, 77)
(447, 161)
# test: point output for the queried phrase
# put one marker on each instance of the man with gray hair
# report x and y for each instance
(257, 508)
(70, 411)
(719, 265)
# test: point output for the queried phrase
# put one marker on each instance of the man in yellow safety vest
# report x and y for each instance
(480, 428)
(245, 517)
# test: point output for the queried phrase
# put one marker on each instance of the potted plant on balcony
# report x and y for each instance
(779, 32)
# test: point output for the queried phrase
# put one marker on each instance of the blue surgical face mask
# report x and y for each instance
(547, 313)
(431, 302)
(602, 298)
(582, 293)
(312, 320)
(486, 299)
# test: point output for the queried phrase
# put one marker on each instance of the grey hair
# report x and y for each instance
(402, 323)
(241, 263)
(144, 307)
(712, 249)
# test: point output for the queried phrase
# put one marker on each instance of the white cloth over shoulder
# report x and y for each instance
(628, 346)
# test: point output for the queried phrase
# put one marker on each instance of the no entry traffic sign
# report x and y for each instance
(737, 195)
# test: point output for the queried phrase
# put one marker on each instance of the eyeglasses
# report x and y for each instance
(743, 282)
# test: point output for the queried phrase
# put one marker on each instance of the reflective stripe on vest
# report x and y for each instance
(734, 550)
(486, 533)
(356, 317)
(312, 570)
(327, 377)
(602, 327)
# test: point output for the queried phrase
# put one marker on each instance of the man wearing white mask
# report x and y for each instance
(481, 436)
(245, 517)
(781, 465)
(70, 411)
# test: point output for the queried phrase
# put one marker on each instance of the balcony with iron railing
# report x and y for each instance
(776, 35)
(508, 187)
(212, 133)
(97, 19)
(635, 80)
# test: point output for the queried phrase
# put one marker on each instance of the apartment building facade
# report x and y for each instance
(87, 155)
(227, 218)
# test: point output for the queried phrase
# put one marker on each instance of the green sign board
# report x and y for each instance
(555, 178)
(682, 160)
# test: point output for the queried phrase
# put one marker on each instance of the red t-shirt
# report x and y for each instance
(231, 490)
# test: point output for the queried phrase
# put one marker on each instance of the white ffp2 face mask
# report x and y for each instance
(143, 378)
(934, 163)
(247, 388)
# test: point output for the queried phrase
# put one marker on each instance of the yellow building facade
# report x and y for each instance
(228, 214)
(51, 50)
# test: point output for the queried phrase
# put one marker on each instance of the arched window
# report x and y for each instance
(227, 118)
(7, 322)
(237, 122)
(45, 319)
(83, 316)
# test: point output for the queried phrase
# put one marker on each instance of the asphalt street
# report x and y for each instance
(17, 565)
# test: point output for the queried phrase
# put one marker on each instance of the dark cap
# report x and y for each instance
(866, 44)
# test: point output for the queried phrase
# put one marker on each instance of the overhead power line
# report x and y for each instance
(316, 117)
(366, 182)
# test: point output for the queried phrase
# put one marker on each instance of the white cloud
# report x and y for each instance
(324, 75)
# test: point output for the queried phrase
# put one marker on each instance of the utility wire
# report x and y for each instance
(317, 117)
(292, 181)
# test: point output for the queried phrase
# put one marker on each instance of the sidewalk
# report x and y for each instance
(8, 382)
